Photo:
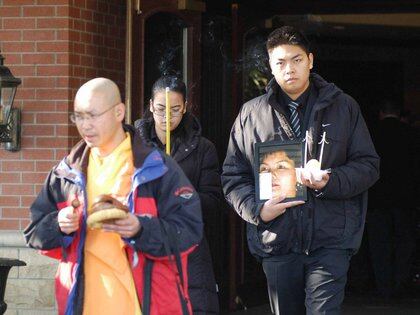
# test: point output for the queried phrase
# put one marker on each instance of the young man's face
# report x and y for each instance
(291, 66)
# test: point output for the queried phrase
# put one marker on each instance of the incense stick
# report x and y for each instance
(323, 141)
(306, 149)
(168, 122)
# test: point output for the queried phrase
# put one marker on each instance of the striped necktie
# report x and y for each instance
(294, 118)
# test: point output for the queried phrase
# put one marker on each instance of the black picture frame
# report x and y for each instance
(281, 156)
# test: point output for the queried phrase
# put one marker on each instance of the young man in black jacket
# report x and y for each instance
(305, 248)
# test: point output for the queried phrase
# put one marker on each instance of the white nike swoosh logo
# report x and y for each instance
(325, 125)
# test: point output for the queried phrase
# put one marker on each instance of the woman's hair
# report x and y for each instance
(174, 83)
(267, 154)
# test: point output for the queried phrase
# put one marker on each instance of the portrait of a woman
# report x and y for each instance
(283, 174)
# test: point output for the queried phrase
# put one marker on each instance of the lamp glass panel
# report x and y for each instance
(6, 100)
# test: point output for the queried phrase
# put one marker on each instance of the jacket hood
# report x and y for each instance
(78, 157)
(185, 137)
(327, 91)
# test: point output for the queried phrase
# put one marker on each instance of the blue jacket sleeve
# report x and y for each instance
(43, 232)
(178, 207)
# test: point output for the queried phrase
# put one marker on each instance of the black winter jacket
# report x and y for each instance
(197, 157)
(333, 218)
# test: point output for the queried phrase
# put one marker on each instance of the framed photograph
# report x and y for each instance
(275, 170)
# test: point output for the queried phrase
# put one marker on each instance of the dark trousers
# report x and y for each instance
(391, 247)
(311, 284)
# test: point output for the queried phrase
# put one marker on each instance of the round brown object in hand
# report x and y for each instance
(106, 209)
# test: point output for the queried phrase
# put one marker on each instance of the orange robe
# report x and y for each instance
(109, 284)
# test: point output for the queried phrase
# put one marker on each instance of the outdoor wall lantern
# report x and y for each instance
(9, 116)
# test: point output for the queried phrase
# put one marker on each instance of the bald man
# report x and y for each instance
(124, 266)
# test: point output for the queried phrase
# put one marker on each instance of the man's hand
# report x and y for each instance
(314, 184)
(274, 207)
(68, 220)
(127, 227)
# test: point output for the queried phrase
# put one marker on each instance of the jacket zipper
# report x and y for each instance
(310, 231)
(301, 228)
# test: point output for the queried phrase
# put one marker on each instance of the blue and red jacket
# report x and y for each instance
(160, 195)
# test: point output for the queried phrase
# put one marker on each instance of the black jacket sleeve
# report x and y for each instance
(237, 177)
(209, 186)
(178, 207)
(361, 170)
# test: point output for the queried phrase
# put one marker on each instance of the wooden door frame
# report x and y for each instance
(136, 21)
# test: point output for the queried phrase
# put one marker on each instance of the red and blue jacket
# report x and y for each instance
(161, 195)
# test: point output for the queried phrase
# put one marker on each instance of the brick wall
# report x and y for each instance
(53, 46)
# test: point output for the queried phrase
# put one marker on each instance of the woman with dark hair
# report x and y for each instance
(197, 157)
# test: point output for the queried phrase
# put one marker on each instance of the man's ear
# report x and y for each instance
(120, 111)
(151, 105)
(185, 107)
(311, 60)
(269, 62)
